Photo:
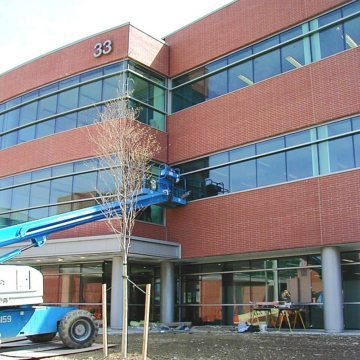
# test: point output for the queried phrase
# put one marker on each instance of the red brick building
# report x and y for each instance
(258, 105)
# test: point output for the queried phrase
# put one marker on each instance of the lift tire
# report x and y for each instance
(41, 338)
(78, 329)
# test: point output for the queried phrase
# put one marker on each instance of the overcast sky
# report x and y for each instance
(30, 28)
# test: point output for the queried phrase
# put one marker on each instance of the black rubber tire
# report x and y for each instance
(78, 329)
(41, 338)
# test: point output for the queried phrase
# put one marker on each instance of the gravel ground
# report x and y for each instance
(226, 344)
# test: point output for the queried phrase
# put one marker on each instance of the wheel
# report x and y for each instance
(40, 338)
(78, 329)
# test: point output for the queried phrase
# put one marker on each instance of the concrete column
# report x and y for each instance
(116, 294)
(332, 290)
(167, 292)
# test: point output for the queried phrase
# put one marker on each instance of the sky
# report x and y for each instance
(31, 28)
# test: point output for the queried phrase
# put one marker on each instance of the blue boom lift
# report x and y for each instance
(21, 287)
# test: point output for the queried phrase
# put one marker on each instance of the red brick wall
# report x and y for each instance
(127, 42)
(101, 228)
(235, 26)
(63, 147)
(308, 213)
(316, 93)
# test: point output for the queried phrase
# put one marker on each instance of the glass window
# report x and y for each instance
(352, 32)
(217, 181)
(41, 174)
(91, 74)
(88, 116)
(26, 134)
(331, 39)
(218, 159)
(64, 169)
(271, 169)
(340, 150)
(20, 197)
(68, 100)
(6, 182)
(45, 128)
(40, 193)
(216, 84)
(112, 87)
(66, 122)
(12, 119)
(90, 93)
(356, 126)
(28, 113)
(299, 163)
(270, 145)
(84, 186)
(109, 69)
(9, 139)
(69, 82)
(147, 73)
(5, 203)
(48, 89)
(242, 153)
(267, 65)
(61, 190)
(243, 176)
(241, 75)
(22, 179)
(47, 107)
(298, 138)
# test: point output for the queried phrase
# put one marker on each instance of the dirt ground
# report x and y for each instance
(211, 343)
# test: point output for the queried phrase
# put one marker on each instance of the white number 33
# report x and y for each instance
(102, 48)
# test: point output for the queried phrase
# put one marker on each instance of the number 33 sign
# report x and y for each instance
(102, 48)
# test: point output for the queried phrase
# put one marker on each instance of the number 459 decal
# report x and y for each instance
(102, 48)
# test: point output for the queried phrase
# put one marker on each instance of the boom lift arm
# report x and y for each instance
(21, 287)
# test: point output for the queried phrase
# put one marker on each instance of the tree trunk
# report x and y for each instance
(125, 311)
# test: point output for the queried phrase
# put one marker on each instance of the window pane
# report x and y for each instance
(91, 74)
(217, 181)
(90, 93)
(270, 145)
(21, 197)
(88, 116)
(35, 214)
(68, 100)
(356, 126)
(84, 186)
(216, 85)
(9, 139)
(66, 122)
(41, 174)
(28, 113)
(61, 190)
(26, 134)
(243, 176)
(242, 153)
(189, 95)
(267, 65)
(331, 41)
(62, 169)
(266, 44)
(5, 203)
(40, 193)
(218, 159)
(299, 163)
(352, 32)
(112, 87)
(22, 179)
(341, 154)
(68, 82)
(298, 138)
(12, 119)
(45, 128)
(241, 76)
(271, 169)
(292, 56)
(47, 107)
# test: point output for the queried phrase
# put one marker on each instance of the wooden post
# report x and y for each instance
(146, 321)
(104, 321)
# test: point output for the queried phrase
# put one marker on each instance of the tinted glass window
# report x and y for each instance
(68, 100)
(241, 75)
(90, 93)
(299, 163)
(20, 197)
(11, 119)
(352, 33)
(45, 128)
(40, 193)
(28, 113)
(270, 145)
(267, 65)
(243, 175)
(66, 122)
(61, 190)
(112, 87)
(26, 134)
(242, 153)
(47, 107)
(271, 169)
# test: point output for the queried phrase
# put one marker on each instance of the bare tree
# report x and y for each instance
(125, 147)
